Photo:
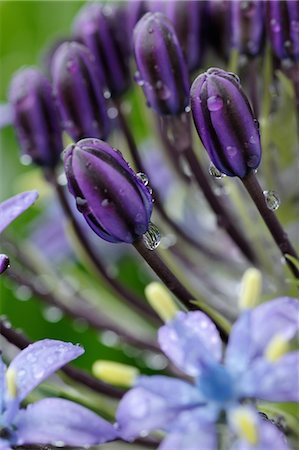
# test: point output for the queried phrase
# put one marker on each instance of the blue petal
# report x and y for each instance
(61, 422)
(4, 445)
(191, 432)
(153, 404)
(255, 328)
(39, 360)
(191, 341)
(275, 382)
(11, 208)
(2, 386)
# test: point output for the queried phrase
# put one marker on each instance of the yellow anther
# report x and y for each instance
(244, 423)
(161, 301)
(251, 287)
(11, 383)
(115, 373)
(277, 347)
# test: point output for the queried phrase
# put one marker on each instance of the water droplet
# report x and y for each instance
(152, 237)
(21, 373)
(71, 66)
(50, 360)
(275, 25)
(215, 172)
(138, 407)
(62, 180)
(23, 293)
(52, 314)
(31, 357)
(215, 103)
(38, 371)
(272, 200)
(112, 113)
(107, 94)
(142, 177)
(26, 160)
(231, 150)
(253, 160)
(162, 90)
(109, 338)
(81, 204)
(150, 30)
(106, 202)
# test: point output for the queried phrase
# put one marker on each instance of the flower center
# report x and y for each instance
(217, 384)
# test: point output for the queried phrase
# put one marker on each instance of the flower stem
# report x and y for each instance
(19, 340)
(279, 235)
(170, 280)
(117, 287)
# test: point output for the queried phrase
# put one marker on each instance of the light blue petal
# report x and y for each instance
(11, 208)
(255, 328)
(191, 341)
(40, 360)
(4, 445)
(153, 404)
(275, 382)
(2, 386)
(191, 432)
(63, 423)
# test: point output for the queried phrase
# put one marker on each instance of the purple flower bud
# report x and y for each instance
(4, 263)
(245, 27)
(162, 71)
(36, 117)
(113, 200)
(187, 18)
(225, 122)
(102, 28)
(283, 28)
(78, 92)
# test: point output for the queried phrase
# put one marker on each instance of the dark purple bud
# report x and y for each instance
(113, 200)
(78, 92)
(187, 18)
(225, 122)
(102, 28)
(4, 263)
(135, 10)
(35, 116)
(162, 71)
(283, 28)
(245, 26)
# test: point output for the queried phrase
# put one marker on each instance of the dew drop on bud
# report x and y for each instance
(272, 200)
(215, 172)
(215, 103)
(152, 237)
(143, 178)
(26, 160)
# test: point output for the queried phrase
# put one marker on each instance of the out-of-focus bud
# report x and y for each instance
(4, 263)
(187, 18)
(78, 92)
(35, 117)
(135, 10)
(113, 200)
(283, 28)
(246, 26)
(102, 28)
(225, 122)
(162, 71)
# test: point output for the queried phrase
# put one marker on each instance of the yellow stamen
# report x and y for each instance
(277, 347)
(251, 287)
(115, 373)
(11, 382)
(245, 425)
(161, 301)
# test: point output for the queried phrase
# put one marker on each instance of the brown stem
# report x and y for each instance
(279, 235)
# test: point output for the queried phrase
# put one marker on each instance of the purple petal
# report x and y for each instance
(276, 382)
(39, 360)
(54, 420)
(2, 384)
(154, 403)
(190, 430)
(11, 208)
(4, 263)
(191, 340)
(4, 445)
(253, 330)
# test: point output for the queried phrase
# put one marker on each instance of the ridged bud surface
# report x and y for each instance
(113, 200)
(187, 18)
(246, 26)
(162, 71)
(78, 92)
(103, 29)
(225, 122)
(283, 28)
(36, 117)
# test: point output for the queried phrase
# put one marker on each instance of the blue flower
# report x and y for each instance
(256, 365)
(48, 421)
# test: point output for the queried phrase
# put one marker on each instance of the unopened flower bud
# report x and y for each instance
(35, 117)
(113, 200)
(187, 18)
(162, 71)
(103, 28)
(4, 263)
(283, 28)
(78, 92)
(225, 122)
